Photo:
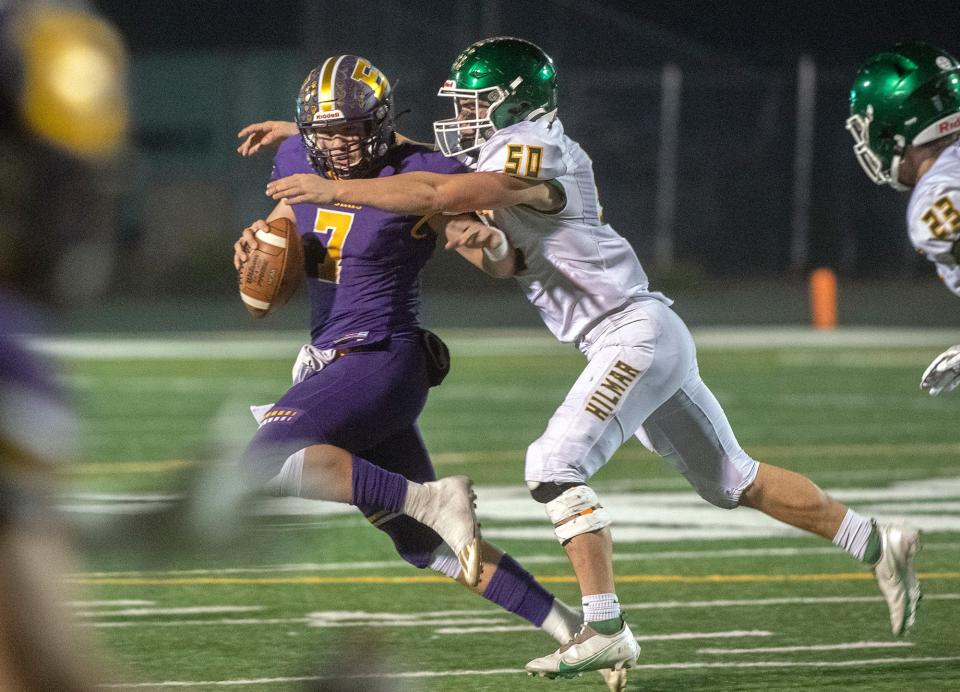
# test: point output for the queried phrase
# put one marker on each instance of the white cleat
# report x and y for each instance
(615, 680)
(896, 574)
(448, 506)
(590, 650)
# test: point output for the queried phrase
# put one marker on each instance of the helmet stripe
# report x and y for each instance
(325, 96)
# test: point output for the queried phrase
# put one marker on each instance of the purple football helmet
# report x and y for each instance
(346, 90)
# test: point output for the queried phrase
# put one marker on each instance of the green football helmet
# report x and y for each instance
(909, 95)
(495, 83)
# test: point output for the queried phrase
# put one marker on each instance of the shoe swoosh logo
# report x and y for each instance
(565, 667)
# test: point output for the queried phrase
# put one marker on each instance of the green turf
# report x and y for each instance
(849, 418)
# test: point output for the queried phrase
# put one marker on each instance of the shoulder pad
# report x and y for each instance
(526, 150)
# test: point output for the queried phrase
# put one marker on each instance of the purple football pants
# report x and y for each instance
(366, 402)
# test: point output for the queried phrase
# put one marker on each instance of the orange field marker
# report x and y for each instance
(823, 299)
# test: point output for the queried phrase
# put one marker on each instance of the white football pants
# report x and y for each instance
(642, 379)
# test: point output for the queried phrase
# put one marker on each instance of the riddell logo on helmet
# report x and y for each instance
(949, 126)
(329, 115)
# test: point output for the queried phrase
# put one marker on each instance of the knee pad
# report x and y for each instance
(575, 511)
(545, 492)
(289, 481)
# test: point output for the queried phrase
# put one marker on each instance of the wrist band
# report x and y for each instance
(501, 251)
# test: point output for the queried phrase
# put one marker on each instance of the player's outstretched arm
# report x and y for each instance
(485, 247)
(419, 193)
(256, 136)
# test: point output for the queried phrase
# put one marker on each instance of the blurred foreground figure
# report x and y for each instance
(38, 650)
(62, 120)
(905, 122)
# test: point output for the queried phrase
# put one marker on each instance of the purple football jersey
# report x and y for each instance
(373, 257)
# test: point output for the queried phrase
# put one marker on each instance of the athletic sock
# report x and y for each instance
(872, 552)
(602, 612)
(514, 589)
(377, 487)
(854, 536)
(562, 622)
(609, 626)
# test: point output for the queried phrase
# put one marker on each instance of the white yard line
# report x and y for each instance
(326, 624)
(466, 343)
(491, 620)
(424, 674)
(190, 623)
(533, 559)
(642, 517)
(106, 604)
(849, 646)
(191, 610)
(733, 634)
(793, 600)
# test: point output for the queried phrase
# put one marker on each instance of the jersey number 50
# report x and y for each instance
(515, 157)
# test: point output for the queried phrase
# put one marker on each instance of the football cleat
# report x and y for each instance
(590, 650)
(616, 680)
(896, 574)
(448, 506)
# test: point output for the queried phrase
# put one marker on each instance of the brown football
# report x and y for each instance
(274, 270)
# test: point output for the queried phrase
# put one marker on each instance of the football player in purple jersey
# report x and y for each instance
(347, 429)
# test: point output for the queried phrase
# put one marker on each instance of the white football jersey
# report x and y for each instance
(578, 267)
(933, 216)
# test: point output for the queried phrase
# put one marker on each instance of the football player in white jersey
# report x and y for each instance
(641, 376)
(905, 122)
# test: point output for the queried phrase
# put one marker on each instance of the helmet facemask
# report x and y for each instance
(473, 124)
(870, 161)
(357, 156)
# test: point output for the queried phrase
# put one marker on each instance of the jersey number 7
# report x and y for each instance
(337, 224)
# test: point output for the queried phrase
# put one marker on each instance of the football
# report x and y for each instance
(273, 270)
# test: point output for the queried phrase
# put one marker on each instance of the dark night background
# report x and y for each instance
(201, 70)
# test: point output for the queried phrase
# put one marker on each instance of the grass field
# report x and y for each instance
(719, 600)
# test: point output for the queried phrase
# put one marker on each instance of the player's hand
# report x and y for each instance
(943, 374)
(247, 242)
(476, 235)
(259, 135)
(300, 188)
